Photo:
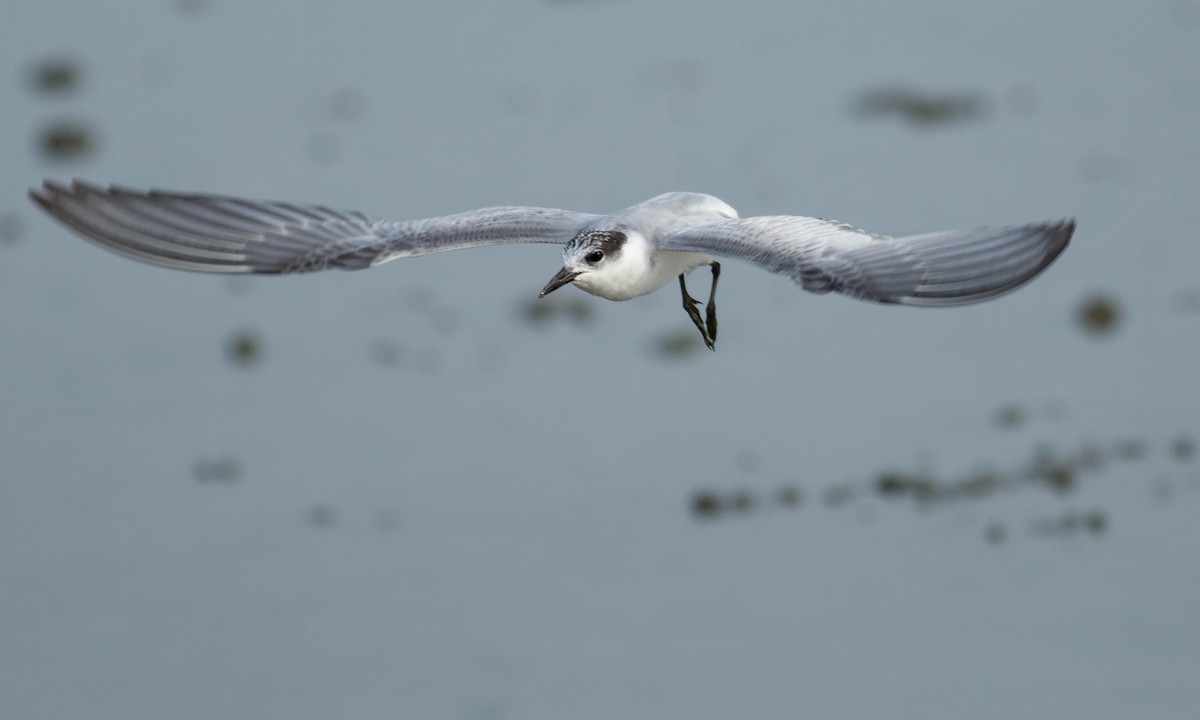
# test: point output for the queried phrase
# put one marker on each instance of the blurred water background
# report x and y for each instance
(417, 492)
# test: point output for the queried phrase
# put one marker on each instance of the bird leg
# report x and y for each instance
(710, 310)
(689, 306)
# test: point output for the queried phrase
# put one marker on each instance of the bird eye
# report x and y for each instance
(594, 256)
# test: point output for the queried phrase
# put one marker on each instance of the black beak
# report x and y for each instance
(563, 277)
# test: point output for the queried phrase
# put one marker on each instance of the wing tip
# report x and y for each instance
(52, 192)
(1059, 236)
(1055, 236)
(75, 205)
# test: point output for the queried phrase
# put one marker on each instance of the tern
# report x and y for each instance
(618, 256)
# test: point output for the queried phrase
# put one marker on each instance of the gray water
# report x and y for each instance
(417, 492)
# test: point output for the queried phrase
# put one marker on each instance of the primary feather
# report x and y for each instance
(211, 233)
(942, 268)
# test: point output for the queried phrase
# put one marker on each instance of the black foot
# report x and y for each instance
(689, 306)
(710, 310)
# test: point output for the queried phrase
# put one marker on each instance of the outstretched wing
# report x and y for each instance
(943, 268)
(211, 233)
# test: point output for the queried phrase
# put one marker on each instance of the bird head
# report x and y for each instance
(592, 261)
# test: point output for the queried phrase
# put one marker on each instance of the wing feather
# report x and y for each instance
(943, 268)
(212, 233)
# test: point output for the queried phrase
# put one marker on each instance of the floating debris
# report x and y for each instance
(223, 471)
(66, 140)
(244, 348)
(1058, 471)
(1060, 478)
(1099, 315)
(705, 504)
(789, 496)
(895, 484)
(1183, 448)
(708, 504)
(58, 76)
(1054, 472)
(917, 108)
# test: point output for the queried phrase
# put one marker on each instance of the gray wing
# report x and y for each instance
(942, 268)
(211, 233)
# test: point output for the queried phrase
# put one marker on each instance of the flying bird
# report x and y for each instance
(618, 256)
